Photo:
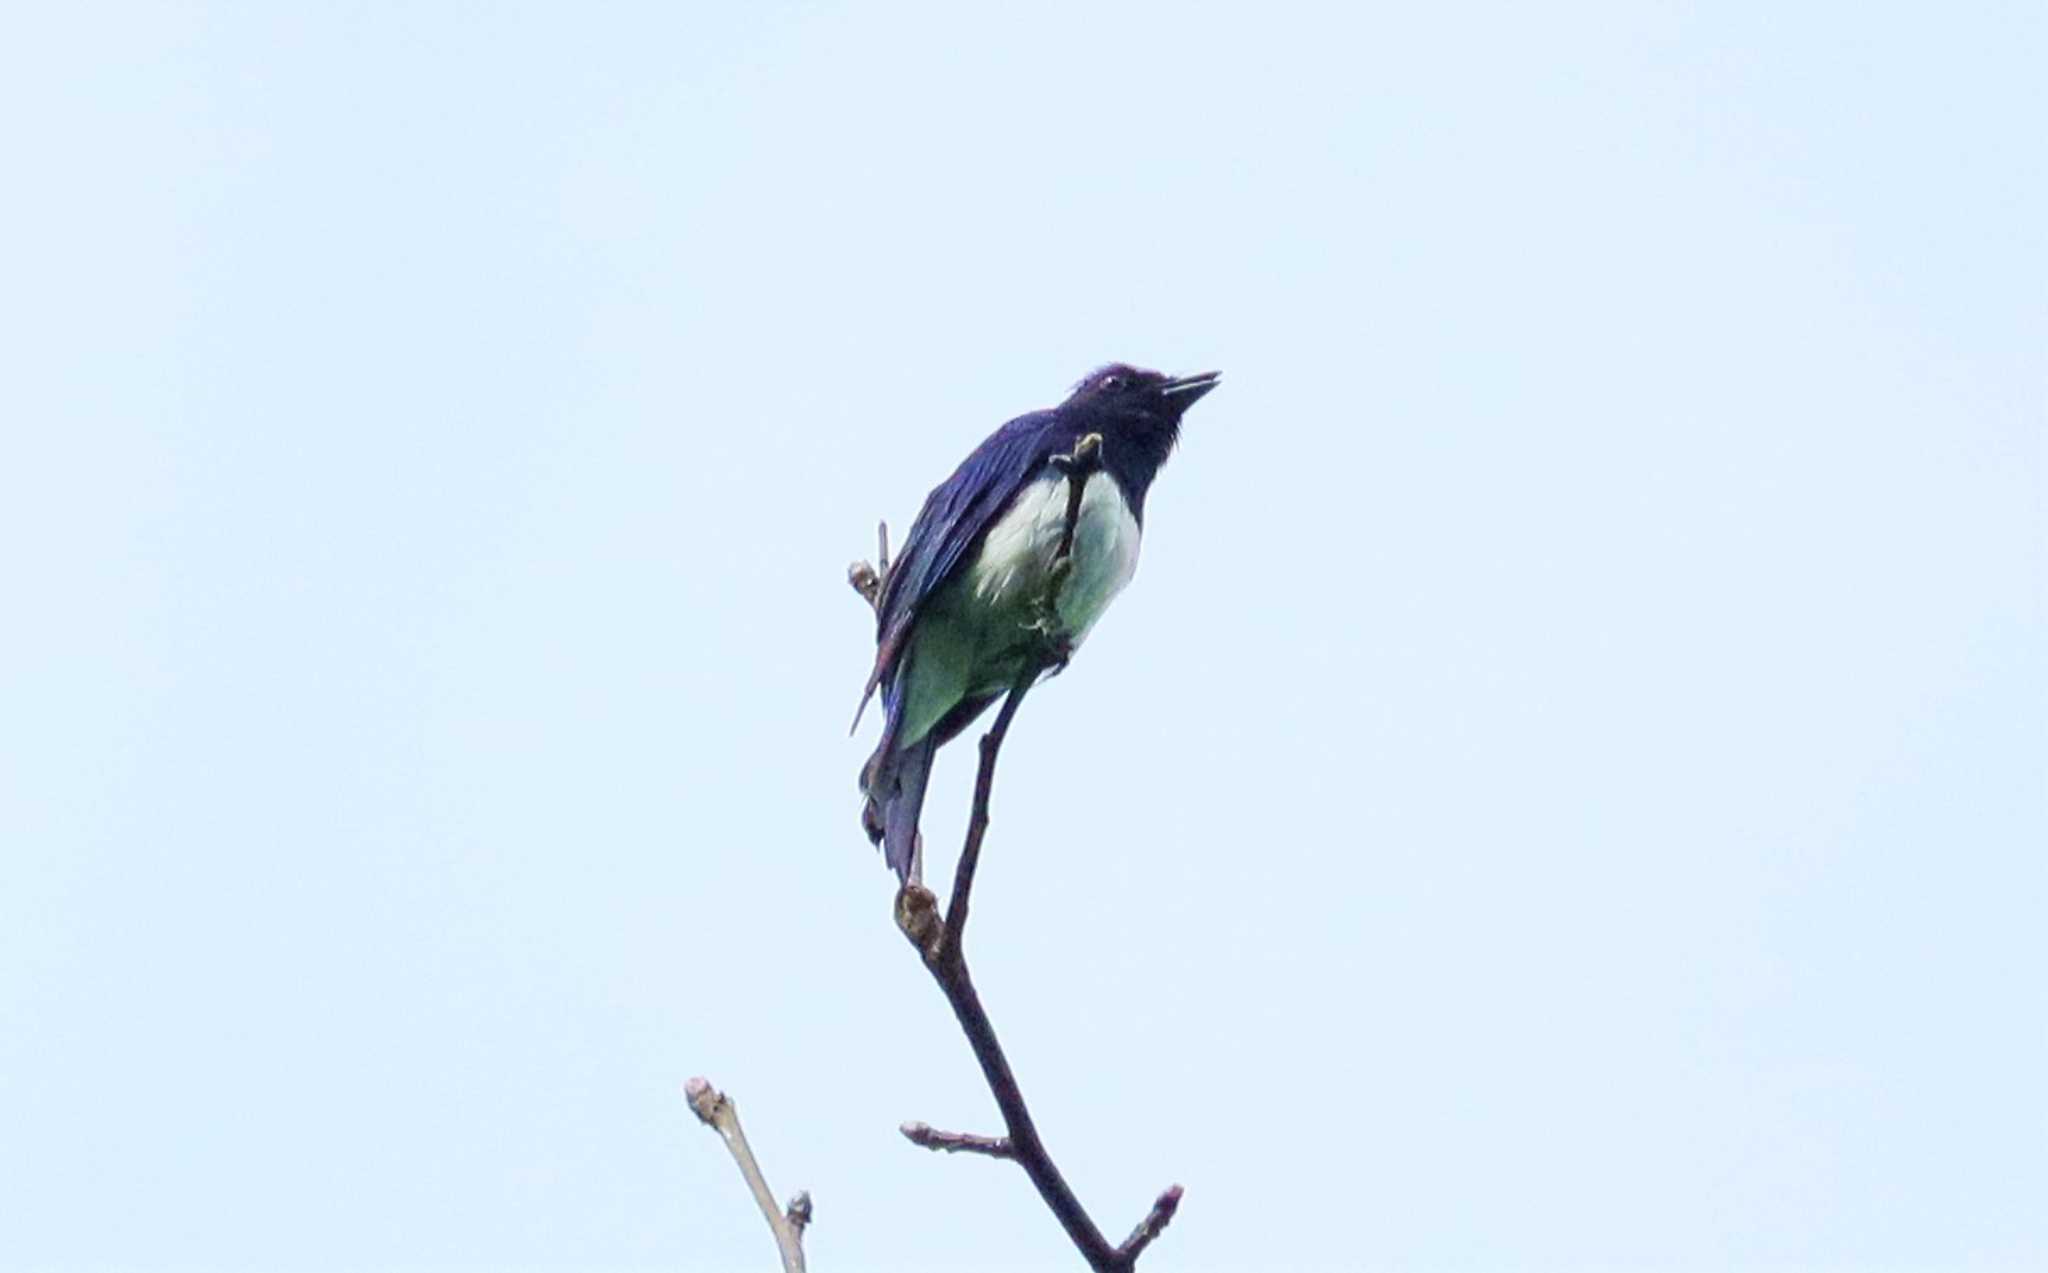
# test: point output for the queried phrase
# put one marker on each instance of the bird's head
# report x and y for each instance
(1127, 399)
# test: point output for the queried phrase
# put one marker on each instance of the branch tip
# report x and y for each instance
(1087, 457)
(704, 1099)
(867, 578)
(1154, 1223)
(716, 1111)
(925, 1136)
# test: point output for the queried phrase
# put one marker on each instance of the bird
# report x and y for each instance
(965, 604)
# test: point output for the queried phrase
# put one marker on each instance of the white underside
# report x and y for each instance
(962, 647)
(1017, 555)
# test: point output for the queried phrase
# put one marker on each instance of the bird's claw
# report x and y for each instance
(1059, 651)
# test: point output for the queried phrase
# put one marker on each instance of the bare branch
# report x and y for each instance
(717, 1112)
(929, 1137)
(943, 942)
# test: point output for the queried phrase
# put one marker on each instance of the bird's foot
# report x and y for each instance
(1048, 642)
(1059, 651)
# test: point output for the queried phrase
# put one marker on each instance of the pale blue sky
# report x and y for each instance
(1567, 789)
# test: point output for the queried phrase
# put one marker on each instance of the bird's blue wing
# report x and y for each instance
(955, 518)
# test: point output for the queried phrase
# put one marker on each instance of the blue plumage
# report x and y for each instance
(953, 621)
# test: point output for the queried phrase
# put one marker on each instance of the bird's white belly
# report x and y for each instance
(1017, 555)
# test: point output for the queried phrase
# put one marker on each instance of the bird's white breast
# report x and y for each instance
(1018, 553)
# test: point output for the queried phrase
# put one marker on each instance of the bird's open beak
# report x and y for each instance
(1183, 392)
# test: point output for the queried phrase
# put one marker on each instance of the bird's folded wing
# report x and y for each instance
(955, 518)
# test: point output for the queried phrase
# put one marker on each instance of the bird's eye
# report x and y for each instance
(1112, 382)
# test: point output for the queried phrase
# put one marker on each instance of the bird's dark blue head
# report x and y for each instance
(1138, 408)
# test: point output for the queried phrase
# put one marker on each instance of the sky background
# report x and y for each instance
(1567, 789)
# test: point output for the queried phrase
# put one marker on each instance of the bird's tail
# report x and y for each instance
(894, 783)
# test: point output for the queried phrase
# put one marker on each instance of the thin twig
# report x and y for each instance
(1152, 1225)
(1084, 463)
(929, 1137)
(955, 931)
(717, 1113)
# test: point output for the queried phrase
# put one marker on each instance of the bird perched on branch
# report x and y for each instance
(980, 587)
